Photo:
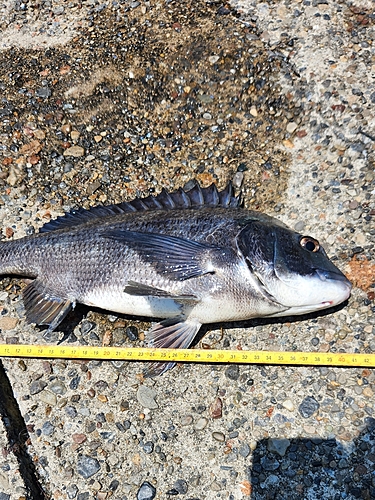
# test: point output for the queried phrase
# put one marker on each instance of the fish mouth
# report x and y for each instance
(333, 275)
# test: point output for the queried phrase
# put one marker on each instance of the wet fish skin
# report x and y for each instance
(190, 257)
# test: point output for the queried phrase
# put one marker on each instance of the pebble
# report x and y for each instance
(186, 420)
(87, 466)
(232, 372)
(57, 387)
(146, 397)
(213, 59)
(44, 92)
(200, 424)
(269, 464)
(308, 407)
(37, 386)
(244, 450)
(218, 436)
(279, 446)
(132, 333)
(216, 408)
(146, 491)
(75, 151)
(291, 127)
(288, 405)
(48, 429)
(8, 323)
(148, 447)
(72, 491)
(181, 486)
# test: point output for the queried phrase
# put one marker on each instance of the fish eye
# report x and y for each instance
(309, 244)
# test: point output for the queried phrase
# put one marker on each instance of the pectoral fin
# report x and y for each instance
(173, 333)
(142, 290)
(43, 307)
(177, 258)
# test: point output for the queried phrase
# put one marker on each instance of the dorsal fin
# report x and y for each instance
(180, 199)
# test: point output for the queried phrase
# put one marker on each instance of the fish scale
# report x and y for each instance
(189, 258)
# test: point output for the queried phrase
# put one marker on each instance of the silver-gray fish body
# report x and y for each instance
(188, 257)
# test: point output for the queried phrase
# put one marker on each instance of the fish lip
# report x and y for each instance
(332, 275)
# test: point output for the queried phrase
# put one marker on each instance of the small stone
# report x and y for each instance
(37, 386)
(216, 486)
(232, 372)
(48, 429)
(288, 404)
(218, 436)
(75, 151)
(57, 387)
(244, 450)
(48, 397)
(213, 59)
(98, 138)
(87, 466)
(146, 492)
(132, 333)
(186, 420)
(181, 486)
(8, 323)
(146, 397)
(216, 408)
(72, 491)
(43, 92)
(368, 392)
(353, 204)
(278, 446)
(253, 111)
(207, 116)
(238, 179)
(87, 326)
(269, 463)
(308, 407)
(74, 134)
(291, 127)
(200, 424)
(299, 226)
(148, 447)
(79, 438)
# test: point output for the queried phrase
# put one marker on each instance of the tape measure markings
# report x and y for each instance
(188, 355)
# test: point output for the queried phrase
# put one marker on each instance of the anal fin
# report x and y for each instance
(172, 333)
(43, 307)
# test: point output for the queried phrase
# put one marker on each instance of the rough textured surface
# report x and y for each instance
(101, 102)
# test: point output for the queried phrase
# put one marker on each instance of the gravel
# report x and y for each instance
(109, 101)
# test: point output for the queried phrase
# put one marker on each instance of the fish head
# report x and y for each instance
(290, 268)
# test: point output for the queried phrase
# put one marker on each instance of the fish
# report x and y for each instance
(185, 258)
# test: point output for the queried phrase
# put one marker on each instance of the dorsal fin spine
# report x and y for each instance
(180, 199)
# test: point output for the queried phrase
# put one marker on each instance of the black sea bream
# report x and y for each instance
(189, 258)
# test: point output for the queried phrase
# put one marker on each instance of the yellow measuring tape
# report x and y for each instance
(189, 355)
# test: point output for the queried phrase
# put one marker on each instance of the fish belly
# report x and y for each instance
(120, 302)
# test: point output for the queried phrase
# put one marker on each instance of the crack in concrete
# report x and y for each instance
(18, 436)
